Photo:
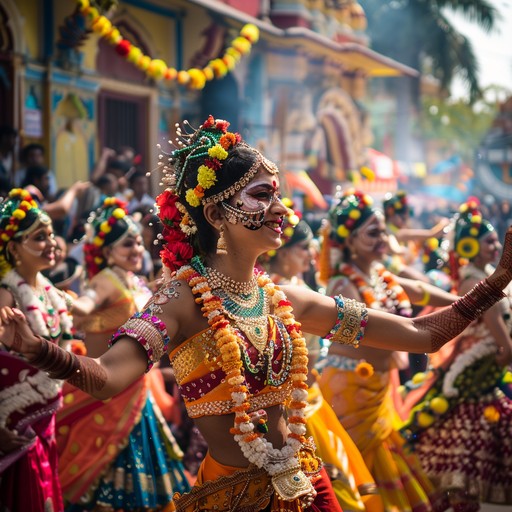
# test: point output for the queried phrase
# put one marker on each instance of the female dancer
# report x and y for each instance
(117, 454)
(462, 428)
(234, 342)
(358, 383)
(344, 464)
(28, 397)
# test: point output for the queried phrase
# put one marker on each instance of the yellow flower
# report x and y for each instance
(293, 219)
(425, 419)
(287, 202)
(467, 247)
(473, 231)
(476, 219)
(26, 205)
(97, 241)
(342, 231)
(439, 404)
(364, 370)
(288, 231)
(105, 227)
(98, 260)
(368, 200)
(206, 177)
(367, 173)
(432, 243)
(118, 213)
(191, 198)
(354, 214)
(418, 378)
(491, 414)
(19, 214)
(218, 152)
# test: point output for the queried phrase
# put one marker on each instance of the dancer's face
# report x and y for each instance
(490, 249)
(36, 249)
(260, 213)
(369, 242)
(127, 253)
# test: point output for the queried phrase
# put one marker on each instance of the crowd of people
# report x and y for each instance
(207, 349)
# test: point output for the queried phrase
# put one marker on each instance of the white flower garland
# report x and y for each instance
(32, 306)
(483, 348)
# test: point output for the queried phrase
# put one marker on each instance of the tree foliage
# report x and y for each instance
(419, 34)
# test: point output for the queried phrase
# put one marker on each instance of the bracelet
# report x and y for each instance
(351, 322)
(426, 296)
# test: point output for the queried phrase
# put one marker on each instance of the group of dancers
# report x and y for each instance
(295, 392)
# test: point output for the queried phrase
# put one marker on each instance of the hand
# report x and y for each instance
(15, 333)
(503, 273)
(11, 441)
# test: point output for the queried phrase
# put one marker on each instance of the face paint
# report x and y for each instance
(252, 204)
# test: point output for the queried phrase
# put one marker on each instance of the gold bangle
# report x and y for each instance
(426, 296)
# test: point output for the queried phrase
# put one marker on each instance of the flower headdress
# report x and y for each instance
(193, 171)
(395, 203)
(18, 214)
(350, 211)
(470, 227)
(108, 225)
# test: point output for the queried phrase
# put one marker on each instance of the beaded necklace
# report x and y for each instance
(381, 291)
(48, 318)
(281, 464)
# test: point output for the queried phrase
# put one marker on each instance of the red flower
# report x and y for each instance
(123, 47)
(176, 255)
(167, 210)
(172, 235)
(222, 125)
(209, 122)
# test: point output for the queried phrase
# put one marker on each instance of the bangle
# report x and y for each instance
(426, 296)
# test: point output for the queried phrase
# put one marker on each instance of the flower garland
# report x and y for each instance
(7, 233)
(395, 300)
(31, 305)
(207, 172)
(254, 446)
(157, 69)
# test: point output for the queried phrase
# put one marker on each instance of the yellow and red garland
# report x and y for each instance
(158, 69)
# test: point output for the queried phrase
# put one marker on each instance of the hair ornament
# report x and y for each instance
(352, 210)
(470, 227)
(107, 225)
(15, 210)
(395, 203)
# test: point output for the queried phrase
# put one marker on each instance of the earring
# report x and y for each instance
(222, 247)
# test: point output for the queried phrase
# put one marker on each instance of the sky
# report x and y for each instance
(493, 51)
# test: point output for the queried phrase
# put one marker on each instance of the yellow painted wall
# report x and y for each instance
(31, 12)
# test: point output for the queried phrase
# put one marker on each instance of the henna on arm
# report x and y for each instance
(445, 324)
(82, 372)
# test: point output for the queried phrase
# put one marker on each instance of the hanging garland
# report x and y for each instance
(158, 69)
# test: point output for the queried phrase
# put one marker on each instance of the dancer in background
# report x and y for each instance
(117, 454)
(234, 338)
(462, 427)
(358, 383)
(29, 399)
(352, 482)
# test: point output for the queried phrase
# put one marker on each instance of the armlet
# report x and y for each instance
(149, 331)
(351, 322)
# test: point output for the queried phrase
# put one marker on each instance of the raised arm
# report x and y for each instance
(345, 320)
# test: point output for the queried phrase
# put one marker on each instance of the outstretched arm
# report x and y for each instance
(318, 315)
(102, 377)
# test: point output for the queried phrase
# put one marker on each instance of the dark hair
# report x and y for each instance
(34, 173)
(25, 150)
(238, 162)
(136, 175)
(106, 179)
(119, 165)
(6, 130)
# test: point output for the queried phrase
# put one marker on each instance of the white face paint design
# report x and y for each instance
(252, 203)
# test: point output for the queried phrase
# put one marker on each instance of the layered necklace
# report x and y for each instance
(380, 290)
(244, 302)
(281, 464)
(46, 313)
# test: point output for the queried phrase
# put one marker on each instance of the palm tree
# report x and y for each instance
(418, 33)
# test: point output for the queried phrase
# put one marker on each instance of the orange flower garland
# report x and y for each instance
(401, 303)
(254, 446)
(157, 69)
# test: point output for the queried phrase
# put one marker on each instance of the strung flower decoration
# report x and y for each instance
(157, 69)
(395, 203)
(364, 369)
